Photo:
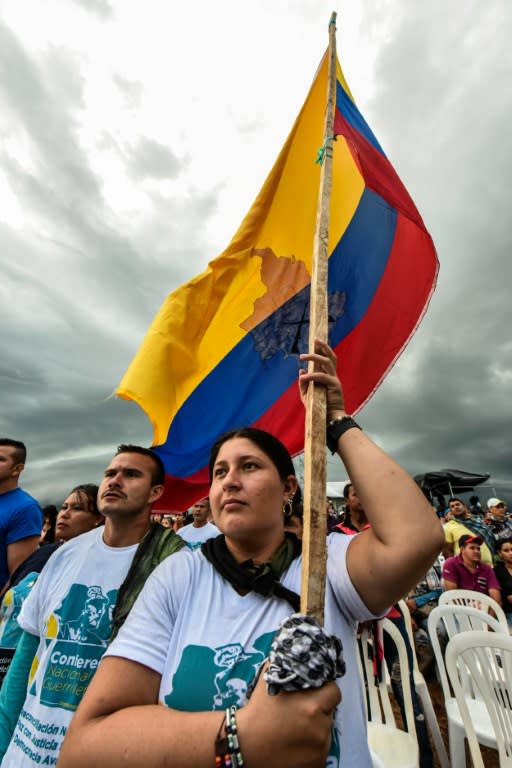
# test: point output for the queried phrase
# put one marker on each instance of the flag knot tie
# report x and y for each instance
(321, 152)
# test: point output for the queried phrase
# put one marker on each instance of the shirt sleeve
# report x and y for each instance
(448, 534)
(32, 609)
(26, 521)
(154, 614)
(338, 578)
(493, 582)
(450, 570)
(426, 597)
(14, 688)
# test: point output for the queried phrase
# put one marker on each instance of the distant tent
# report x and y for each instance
(436, 485)
(335, 489)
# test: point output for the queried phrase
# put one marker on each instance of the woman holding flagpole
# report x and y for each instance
(205, 619)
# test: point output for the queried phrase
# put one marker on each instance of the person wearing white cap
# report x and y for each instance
(497, 508)
(497, 520)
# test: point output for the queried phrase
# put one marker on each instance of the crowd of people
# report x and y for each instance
(478, 550)
(127, 639)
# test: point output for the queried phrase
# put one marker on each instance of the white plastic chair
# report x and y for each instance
(391, 745)
(475, 600)
(483, 661)
(461, 620)
(422, 690)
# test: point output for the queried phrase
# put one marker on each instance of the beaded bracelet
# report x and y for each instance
(227, 749)
(232, 736)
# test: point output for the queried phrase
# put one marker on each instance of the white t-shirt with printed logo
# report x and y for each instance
(70, 609)
(194, 537)
(207, 641)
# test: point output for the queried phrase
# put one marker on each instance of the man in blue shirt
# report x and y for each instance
(20, 514)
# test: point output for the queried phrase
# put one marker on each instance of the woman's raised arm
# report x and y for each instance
(405, 537)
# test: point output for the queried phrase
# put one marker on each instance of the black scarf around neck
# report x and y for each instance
(246, 576)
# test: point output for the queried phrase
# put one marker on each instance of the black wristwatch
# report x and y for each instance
(336, 428)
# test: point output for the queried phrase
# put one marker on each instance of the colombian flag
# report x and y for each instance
(222, 352)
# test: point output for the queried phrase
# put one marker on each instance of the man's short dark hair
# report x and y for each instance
(20, 450)
(454, 498)
(158, 474)
(200, 501)
(346, 490)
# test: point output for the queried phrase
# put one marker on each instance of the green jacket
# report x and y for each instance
(156, 544)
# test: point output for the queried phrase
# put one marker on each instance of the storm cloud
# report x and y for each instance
(107, 208)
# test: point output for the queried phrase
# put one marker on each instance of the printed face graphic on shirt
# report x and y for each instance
(215, 678)
(75, 638)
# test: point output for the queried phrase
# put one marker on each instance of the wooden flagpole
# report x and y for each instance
(314, 553)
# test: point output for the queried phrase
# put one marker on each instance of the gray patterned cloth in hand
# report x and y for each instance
(302, 656)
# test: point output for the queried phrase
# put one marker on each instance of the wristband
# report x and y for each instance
(337, 428)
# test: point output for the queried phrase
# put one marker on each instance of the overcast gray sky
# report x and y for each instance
(133, 139)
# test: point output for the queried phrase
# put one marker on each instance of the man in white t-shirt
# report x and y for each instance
(68, 618)
(200, 529)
